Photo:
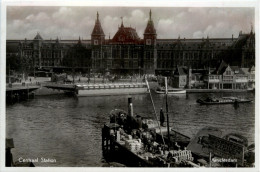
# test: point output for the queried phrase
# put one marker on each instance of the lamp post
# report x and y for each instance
(94, 78)
(90, 71)
(106, 73)
(139, 72)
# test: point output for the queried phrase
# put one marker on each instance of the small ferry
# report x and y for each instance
(223, 100)
(111, 89)
(161, 90)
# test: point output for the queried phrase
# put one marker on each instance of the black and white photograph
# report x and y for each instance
(129, 86)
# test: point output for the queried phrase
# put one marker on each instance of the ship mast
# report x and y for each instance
(168, 127)
(154, 110)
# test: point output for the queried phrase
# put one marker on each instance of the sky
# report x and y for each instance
(170, 22)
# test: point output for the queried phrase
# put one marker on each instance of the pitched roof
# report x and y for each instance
(237, 70)
(180, 70)
(150, 26)
(221, 68)
(97, 30)
(245, 70)
(252, 69)
(126, 34)
(38, 37)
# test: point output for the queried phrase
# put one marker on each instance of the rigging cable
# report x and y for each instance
(154, 109)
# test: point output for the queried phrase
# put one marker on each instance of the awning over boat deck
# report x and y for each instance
(109, 85)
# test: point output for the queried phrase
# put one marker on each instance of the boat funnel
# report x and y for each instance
(130, 107)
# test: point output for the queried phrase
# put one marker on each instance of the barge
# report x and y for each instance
(111, 89)
(223, 100)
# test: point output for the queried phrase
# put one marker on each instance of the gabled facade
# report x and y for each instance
(250, 72)
(180, 77)
(228, 77)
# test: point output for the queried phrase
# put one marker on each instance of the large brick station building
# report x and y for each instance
(128, 53)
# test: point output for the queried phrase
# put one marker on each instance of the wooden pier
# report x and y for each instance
(16, 93)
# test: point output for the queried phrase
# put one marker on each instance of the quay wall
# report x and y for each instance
(214, 91)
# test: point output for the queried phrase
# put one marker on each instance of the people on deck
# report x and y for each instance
(162, 118)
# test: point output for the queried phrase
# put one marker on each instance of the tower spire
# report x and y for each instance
(251, 27)
(150, 15)
(57, 39)
(79, 41)
(122, 23)
(97, 34)
(150, 35)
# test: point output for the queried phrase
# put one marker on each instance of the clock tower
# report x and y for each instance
(150, 49)
(150, 32)
(97, 36)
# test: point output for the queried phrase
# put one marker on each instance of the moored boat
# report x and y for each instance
(143, 141)
(111, 89)
(223, 100)
(161, 90)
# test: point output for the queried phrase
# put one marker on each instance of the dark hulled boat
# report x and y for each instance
(223, 100)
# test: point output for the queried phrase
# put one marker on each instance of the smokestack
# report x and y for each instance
(130, 107)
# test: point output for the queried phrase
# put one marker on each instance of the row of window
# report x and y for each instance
(173, 64)
(213, 77)
(126, 64)
(116, 54)
(191, 56)
(229, 78)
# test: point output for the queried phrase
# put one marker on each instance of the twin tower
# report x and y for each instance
(124, 35)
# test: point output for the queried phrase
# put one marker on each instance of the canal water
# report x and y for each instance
(68, 129)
